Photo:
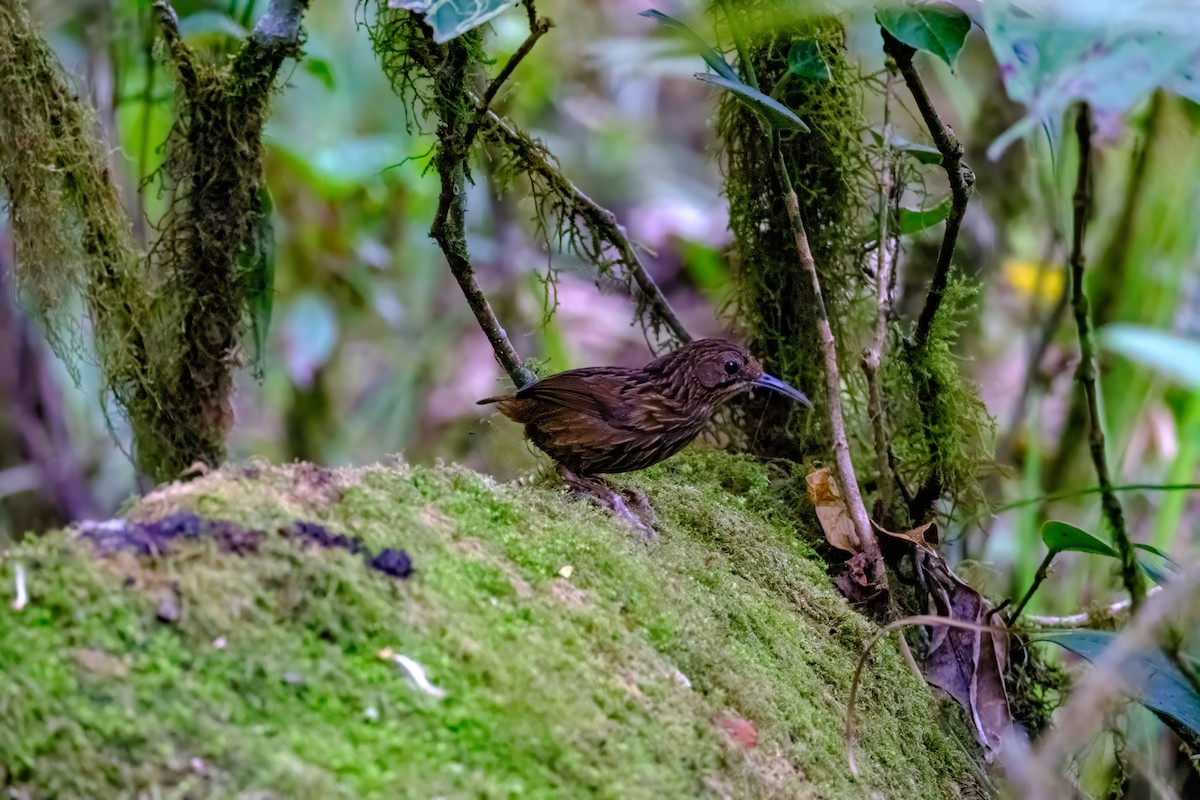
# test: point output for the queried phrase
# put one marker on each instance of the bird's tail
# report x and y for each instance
(489, 400)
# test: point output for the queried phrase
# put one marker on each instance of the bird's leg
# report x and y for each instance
(606, 496)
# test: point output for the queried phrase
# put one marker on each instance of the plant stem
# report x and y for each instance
(1042, 571)
(873, 356)
(1086, 372)
(960, 178)
(536, 31)
(868, 544)
(449, 223)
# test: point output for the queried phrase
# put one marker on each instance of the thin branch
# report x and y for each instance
(1086, 372)
(884, 282)
(1109, 614)
(449, 223)
(536, 31)
(960, 177)
(1042, 571)
(536, 160)
(599, 219)
(867, 542)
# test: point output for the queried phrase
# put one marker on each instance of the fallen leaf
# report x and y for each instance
(387, 654)
(740, 730)
(567, 571)
(831, 511)
(100, 662)
(967, 664)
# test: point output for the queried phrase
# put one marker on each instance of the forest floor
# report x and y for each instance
(240, 636)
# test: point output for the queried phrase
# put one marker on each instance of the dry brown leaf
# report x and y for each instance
(831, 511)
(916, 535)
(967, 664)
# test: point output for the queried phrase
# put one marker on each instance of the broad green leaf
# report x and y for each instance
(915, 220)
(1155, 572)
(450, 19)
(1108, 53)
(923, 153)
(1171, 356)
(777, 114)
(711, 57)
(805, 61)
(1060, 536)
(937, 28)
(1148, 676)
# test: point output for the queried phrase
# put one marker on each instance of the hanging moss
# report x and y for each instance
(165, 326)
(953, 443)
(832, 180)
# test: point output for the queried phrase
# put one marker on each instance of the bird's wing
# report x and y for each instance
(594, 391)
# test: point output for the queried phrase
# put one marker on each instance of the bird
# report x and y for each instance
(603, 420)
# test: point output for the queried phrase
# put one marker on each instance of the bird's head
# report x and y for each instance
(722, 369)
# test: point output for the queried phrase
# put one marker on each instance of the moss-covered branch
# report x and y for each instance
(449, 223)
(1131, 575)
(165, 326)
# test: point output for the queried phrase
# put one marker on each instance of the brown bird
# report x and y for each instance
(600, 420)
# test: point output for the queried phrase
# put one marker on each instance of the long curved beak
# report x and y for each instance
(771, 382)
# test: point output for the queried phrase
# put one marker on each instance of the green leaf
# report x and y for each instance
(1053, 53)
(805, 61)
(320, 69)
(777, 114)
(450, 19)
(1060, 536)
(711, 57)
(1154, 572)
(1169, 355)
(937, 28)
(914, 220)
(1148, 676)
(1152, 549)
(923, 153)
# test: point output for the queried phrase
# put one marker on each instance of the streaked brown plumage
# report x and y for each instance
(600, 420)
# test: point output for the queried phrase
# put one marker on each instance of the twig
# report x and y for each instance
(1042, 571)
(449, 223)
(600, 220)
(536, 160)
(181, 54)
(536, 31)
(873, 356)
(1086, 372)
(960, 177)
(867, 542)
(1036, 775)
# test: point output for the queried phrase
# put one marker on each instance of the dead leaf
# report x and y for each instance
(831, 511)
(916, 535)
(740, 730)
(967, 664)
(100, 662)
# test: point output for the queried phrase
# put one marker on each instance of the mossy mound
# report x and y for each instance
(714, 663)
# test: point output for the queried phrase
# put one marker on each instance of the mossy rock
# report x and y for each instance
(713, 663)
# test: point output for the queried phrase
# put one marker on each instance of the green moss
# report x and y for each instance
(610, 682)
(949, 440)
(834, 185)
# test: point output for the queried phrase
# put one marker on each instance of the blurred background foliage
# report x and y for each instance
(371, 350)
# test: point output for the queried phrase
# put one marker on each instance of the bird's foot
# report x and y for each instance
(630, 507)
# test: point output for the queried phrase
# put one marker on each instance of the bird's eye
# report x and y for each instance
(732, 367)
